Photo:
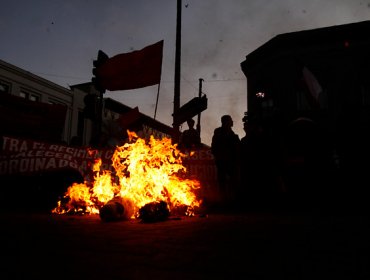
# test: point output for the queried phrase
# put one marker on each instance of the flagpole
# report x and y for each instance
(156, 103)
(176, 101)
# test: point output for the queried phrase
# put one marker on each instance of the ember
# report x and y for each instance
(148, 174)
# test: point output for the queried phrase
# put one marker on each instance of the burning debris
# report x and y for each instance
(113, 210)
(149, 183)
(154, 212)
(116, 209)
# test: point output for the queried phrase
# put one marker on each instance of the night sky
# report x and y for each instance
(58, 40)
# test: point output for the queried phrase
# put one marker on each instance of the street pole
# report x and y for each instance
(176, 101)
(200, 95)
(100, 112)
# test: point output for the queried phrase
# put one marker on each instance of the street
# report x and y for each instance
(214, 245)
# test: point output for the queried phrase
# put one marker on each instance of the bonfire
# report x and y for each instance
(146, 173)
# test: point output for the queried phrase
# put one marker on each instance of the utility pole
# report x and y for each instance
(176, 101)
(200, 95)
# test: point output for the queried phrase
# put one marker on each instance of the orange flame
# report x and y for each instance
(144, 172)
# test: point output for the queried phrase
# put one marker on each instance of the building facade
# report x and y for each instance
(20, 84)
(321, 73)
(311, 88)
(21, 89)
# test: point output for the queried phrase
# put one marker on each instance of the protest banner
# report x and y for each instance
(26, 156)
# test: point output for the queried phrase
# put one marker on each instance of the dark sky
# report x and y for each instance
(58, 40)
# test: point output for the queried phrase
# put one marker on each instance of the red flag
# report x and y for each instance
(126, 119)
(133, 70)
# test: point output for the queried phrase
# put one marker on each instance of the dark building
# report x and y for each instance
(316, 80)
(133, 120)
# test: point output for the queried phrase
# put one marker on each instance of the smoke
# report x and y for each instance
(61, 40)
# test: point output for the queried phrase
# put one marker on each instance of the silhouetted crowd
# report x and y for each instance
(266, 163)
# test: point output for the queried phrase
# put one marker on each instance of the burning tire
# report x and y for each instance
(154, 212)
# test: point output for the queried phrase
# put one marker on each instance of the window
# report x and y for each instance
(34, 97)
(30, 96)
(4, 87)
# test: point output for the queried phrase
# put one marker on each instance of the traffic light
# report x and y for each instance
(96, 79)
(91, 106)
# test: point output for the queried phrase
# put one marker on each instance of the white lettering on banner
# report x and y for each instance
(149, 131)
(38, 146)
(27, 156)
(14, 145)
(204, 154)
(36, 153)
(200, 165)
(29, 165)
(53, 148)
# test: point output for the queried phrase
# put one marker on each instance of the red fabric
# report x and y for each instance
(24, 118)
(129, 118)
(133, 70)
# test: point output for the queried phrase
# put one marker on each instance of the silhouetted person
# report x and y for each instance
(225, 148)
(190, 138)
(307, 161)
(260, 164)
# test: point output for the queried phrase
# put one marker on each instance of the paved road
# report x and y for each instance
(248, 245)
